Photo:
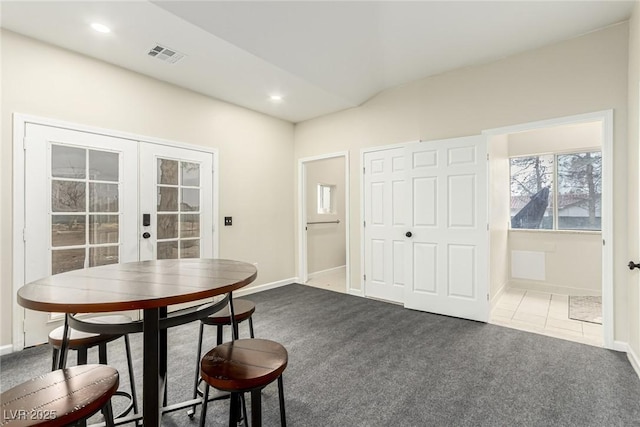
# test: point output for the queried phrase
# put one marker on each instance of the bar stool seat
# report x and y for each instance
(62, 397)
(240, 366)
(83, 341)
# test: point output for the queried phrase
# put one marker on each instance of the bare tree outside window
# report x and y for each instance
(578, 183)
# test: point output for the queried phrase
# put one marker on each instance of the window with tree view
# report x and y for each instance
(557, 192)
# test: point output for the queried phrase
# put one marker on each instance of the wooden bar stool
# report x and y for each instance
(242, 310)
(242, 366)
(81, 342)
(62, 397)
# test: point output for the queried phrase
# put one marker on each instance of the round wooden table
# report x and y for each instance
(146, 285)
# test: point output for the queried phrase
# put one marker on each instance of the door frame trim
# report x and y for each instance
(303, 274)
(606, 117)
(20, 122)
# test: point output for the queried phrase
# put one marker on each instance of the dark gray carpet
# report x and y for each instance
(359, 362)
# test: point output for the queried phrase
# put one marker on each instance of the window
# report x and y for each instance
(326, 196)
(556, 192)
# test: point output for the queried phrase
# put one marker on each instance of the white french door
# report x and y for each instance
(85, 195)
(426, 238)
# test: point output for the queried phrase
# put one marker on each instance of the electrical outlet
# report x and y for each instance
(228, 221)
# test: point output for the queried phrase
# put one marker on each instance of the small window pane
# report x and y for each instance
(326, 199)
(103, 165)
(68, 230)
(68, 196)
(167, 172)
(167, 226)
(103, 256)
(579, 191)
(68, 162)
(190, 248)
(103, 197)
(190, 200)
(190, 225)
(103, 229)
(531, 192)
(167, 250)
(167, 199)
(190, 174)
(67, 260)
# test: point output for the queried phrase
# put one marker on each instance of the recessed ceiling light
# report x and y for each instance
(101, 28)
(276, 97)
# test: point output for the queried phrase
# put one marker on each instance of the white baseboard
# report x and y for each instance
(496, 297)
(327, 271)
(6, 349)
(620, 346)
(356, 292)
(266, 286)
(633, 359)
(551, 288)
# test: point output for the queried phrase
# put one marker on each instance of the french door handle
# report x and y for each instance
(146, 235)
(633, 265)
(408, 234)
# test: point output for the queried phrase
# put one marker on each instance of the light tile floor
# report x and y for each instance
(543, 313)
(335, 280)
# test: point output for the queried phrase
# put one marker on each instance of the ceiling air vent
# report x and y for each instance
(165, 54)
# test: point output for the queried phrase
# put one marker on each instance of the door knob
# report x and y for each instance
(146, 235)
(633, 265)
(408, 234)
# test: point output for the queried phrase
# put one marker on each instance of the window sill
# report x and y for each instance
(531, 230)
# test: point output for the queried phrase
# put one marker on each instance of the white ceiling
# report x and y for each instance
(321, 56)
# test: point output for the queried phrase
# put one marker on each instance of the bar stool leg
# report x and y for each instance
(256, 408)
(251, 327)
(205, 400)
(283, 417)
(54, 356)
(107, 411)
(191, 412)
(234, 409)
(132, 380)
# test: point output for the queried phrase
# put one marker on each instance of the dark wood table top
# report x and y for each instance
(135, 285)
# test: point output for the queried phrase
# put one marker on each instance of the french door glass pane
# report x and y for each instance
(190, 248)
(189, 225)
(168, 250)
(68, 162)
(103, 165)
(68, 196)
(167, 226)
(68, 230)
(190, 174)
(167, 172)
(103, 197)
(190, 200)
(103, 255)
(167, 199)
(103, 229)
(67, 260)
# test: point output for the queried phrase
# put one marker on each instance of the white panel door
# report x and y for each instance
(446, 255)
(81, 208)
(385, 224)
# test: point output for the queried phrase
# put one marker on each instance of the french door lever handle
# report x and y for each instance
(146, 235)
(408, 234)
(633, 265)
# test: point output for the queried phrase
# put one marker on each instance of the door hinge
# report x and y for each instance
(603, 243)
(364, 277)
(26, 142)
(487, 297)
(364, 223)
(487, 156)
(363, 170)
(487, 226)
(24, 234)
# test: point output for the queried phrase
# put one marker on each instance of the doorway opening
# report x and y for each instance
(324, 221)
(550, 188)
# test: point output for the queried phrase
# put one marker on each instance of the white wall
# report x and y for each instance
(567, 138)
(499, 215)
(256, 151)
(580, 75)
(632, 279)
(325, 242)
